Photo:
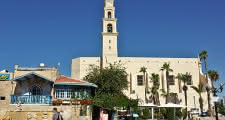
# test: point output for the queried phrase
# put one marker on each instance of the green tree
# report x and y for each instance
(203, 56)
(146, 114)
(184, 78)
(221, 109)
(199, 90)
(154, 90)
(111, 82)
(166, 66)
(144, 70)
(214, 76)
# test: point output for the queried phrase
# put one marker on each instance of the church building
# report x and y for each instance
(133, 65)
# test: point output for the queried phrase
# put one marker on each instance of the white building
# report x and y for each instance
(136, 89)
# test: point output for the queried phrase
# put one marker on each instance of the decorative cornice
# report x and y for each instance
(109, 19)
(110, 34)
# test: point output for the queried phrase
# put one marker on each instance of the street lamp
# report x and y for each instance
(215, 91)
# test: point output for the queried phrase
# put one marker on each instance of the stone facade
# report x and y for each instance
(30, 94)
(80, 66)
(6, 89)
(41, 113)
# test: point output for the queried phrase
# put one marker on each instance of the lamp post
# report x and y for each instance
(215, 91)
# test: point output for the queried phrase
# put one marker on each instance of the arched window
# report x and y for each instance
(109, 15)
(36, 90)
(109, 28)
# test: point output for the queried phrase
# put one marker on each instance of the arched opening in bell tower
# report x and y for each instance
(109, 15)
(109, 28)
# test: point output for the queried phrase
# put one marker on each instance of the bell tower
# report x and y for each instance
(109, 34)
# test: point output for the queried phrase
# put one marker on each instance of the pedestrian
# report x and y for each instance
(56, 115)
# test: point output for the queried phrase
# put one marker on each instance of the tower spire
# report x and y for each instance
(109, 34)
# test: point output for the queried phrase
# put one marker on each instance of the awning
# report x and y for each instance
(77, 84)
(171, 105)
(147, 105)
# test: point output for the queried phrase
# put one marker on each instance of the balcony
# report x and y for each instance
(31, 99)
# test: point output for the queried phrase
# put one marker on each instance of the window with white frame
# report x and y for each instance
(71, 93)
(63, 93)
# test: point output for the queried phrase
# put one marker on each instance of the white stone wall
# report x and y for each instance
(153, 65)
(80, 66)
(110, 45)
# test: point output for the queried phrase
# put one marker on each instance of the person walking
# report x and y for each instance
(56, 115)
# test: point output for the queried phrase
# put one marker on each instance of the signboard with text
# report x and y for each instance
(4, 76)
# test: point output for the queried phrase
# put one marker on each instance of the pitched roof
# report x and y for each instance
(31, 75)
(66, 79)
(63, 80)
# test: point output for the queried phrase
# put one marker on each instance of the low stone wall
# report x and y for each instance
(41, 113)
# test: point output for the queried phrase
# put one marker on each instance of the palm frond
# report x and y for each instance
(213, 75)
(203, 54)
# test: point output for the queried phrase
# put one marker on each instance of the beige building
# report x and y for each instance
(5, 83)
(133, 65)
(30, 93)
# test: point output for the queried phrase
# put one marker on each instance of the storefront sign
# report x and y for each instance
(4, 76)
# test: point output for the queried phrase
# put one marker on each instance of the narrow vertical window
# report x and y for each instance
(190, 82)
(109, 15)
(140, 80)
(109, 41)
(110, 47)
(109, 28)
(171, 80)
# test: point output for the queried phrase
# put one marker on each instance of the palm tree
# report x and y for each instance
(179, 82)
(166, 66)
(162, 78)
(144, 70)
(164, 94)
(214, 76)
(155, 88)
(203, 56)
(184, 78)
(199, 90)
(173, 96)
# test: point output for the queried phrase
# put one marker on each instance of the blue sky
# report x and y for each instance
(52, 31)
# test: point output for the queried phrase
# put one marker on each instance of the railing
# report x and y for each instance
(31, 99)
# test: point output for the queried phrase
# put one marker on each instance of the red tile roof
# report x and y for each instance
(67, 79)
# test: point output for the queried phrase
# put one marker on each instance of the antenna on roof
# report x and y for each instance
(58, 64)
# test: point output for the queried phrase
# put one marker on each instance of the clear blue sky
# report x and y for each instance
(52, 31)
